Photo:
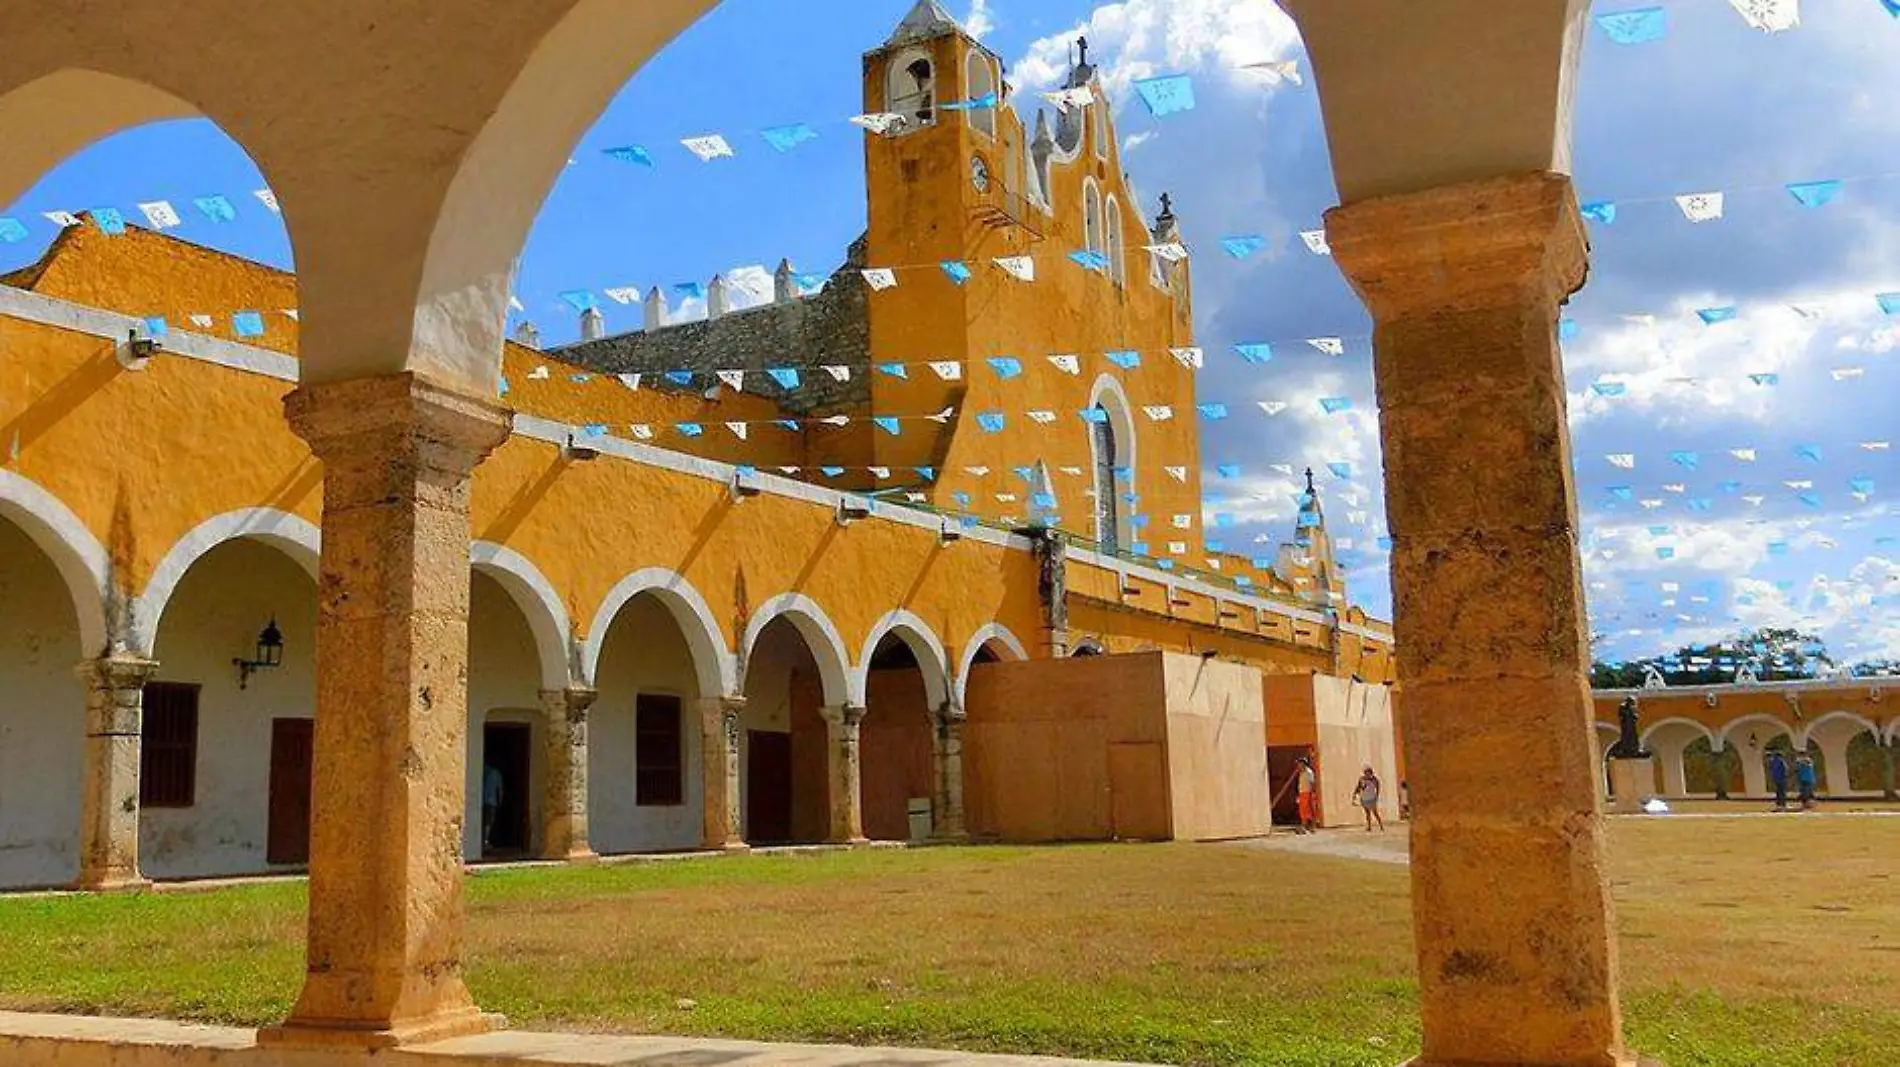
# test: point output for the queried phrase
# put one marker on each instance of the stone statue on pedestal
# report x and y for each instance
(1629, 744)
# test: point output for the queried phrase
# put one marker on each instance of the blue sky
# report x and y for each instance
(1715, 105)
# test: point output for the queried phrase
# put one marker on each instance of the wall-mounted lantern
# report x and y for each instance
(270, 653)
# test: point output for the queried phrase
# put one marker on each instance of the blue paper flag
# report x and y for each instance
(895, 370)
(1027, 474)
(886, 423)
(1165, 564)
(962, 498)
(1385, 544)
(1043, 500)
(580, 299)
(1224, 520)
(990, 421)
(1228, 470)
(786, 377)
(789, 424)
(1603, 211)
(957, 272)
(1212, 412)
(831, 472)
(1006, 367)
(1889, 302)
(690, 429)
(1307, 521)
(1125, 360)
(986, 102)
(247, 324)
(1861, 485)
(1892, 6)
(631, 153)
(216, 208)
(1766, 378)
(1216, 546)
(1256, 353)
(1730, 487)
(1701, 504)
(594, 429)
(1240, 246)
(11, 231)
(1123, 474)
(1139, 522)
(928, 474)
(108, 220)
(1812, 500)
(746, 468)
(696, 290)
(1638, 26)
(680, 377)
(1167, 95)
(156, 326)
(1340, 470)
(1609, 388)
(1094, 261)
(1665, 553)
(1815, 194)
(1568, 329)
(1687, 460)
(1811, 453)
(1659, 531)
(1711, 316)
(786, 138)
(1095, 415)
(1333, 405)
(1623, 492)
(808, 283)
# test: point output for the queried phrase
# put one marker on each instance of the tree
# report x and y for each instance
(1774, 654)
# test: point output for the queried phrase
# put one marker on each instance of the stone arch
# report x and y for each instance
(539, 603)
(980, 81)
(1805, 734)
(60, 114)
(296, 536)
(81, 560)
(1759, 721)
(712, 661)
(1108, 395)
(996, 634)
(1650, 731)
(924, 644)
(910, 88)
(821, 637)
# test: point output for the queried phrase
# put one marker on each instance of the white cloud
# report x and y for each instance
(980, 21)
(1142, 38)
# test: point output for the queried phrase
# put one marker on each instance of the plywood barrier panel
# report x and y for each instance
(1217, 763)
(1355, 731)
(895, 751)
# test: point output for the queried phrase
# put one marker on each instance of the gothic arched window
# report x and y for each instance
(1091, 216)
(911, 89)
(981, 83)
(1114, 250)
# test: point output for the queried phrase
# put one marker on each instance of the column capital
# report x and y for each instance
(843, 714)
(371, 421)
(1463, 247)
(117, 671)
(950, 713)
(575, 698)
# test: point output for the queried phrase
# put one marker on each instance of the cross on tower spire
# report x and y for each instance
(1082, 45)
(1310, 487)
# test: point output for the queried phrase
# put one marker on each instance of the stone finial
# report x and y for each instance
(718, 298)
(656, 309)
(528, 335)
(784, 283)
(593, 325)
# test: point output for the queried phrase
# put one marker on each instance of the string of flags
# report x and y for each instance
(1644, 25)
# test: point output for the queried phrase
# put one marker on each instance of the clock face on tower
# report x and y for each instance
(979, 174)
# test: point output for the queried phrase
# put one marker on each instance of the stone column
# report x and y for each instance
(843, 792)
(109, 806)
(1887, 745)
(564, 799)
(1675, 777)
(720, 721)
(1834, 763)
(1512, 912)
(947, 822)
(1755, 773)
(384, 957)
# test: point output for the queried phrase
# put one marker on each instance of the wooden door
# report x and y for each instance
(290, 749)
(768, 802)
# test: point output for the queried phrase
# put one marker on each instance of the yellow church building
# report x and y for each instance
(971, 599)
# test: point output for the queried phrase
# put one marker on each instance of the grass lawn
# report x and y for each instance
(1745, 942)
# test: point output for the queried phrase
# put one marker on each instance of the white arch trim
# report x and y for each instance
(1807, 731)
(297, 537)
(81, 560)
(712, 660)
(539, 603)
(997, 632)
(821, 638)
(924, 644)
(1726, 735)
(1700, 729)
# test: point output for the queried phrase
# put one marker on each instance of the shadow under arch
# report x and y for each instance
(81, 560)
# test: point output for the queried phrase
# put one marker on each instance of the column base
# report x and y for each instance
(732, 848)
(1628, 1060)
(134, 884)
(579, 857)
(346, 1036)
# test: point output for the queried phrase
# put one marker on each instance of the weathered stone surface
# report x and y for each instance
(1517, 960)
(564, 805)
(109, 806)
(720, 721)
(947, 739)
(844, 792)
(385, 944)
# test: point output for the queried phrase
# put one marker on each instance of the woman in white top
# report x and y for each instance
(1367, 794)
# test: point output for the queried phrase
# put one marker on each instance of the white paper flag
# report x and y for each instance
(739, 429)
(1067, 364)
(943, 416)
(1172, 251)
(623, 295)
(1021, 268)
(292, 312)
(1158, 412)
(1179, 474)
(1177, 548)
(1328, 346)
(733, 378)
(977, 472)
(1799, 484)
(947, 369)
(1183, 522)
(1073, 472)
(1006, 498)
(1316, 242)
(1842, 374)
(1272, 407)
(916, 498)
(707, 147)
(836, 420)
(1875, 446)
(1282, 468)
(880, 473)
(880, 278)
(268, 199)
(631, 381)
(1746, 455)
(203, 322)
(1754, 499)
(1701, 207)
(1043, 417)
(838, 373)
(641, 431)
(879, 122)
(1622, 459)
(538, 374)
(1770, 16)
(62, 219)
(1067, 100)
(1191, 358)
(1675, 487)
(160, 214)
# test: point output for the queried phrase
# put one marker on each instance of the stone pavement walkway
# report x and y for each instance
(86, 1041)
(1393, 846)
